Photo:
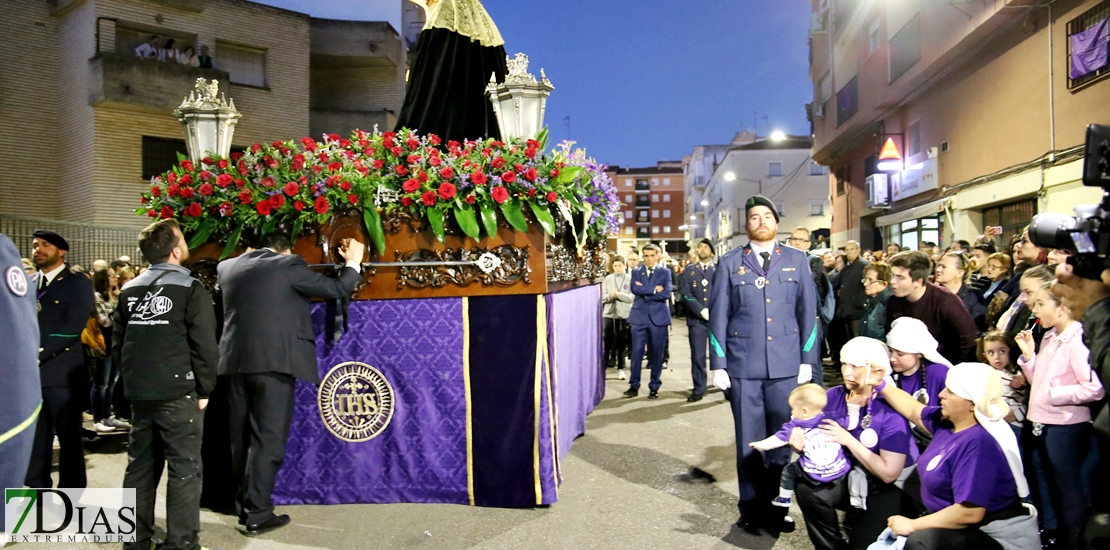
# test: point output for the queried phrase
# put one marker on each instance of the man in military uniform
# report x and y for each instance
(650, 318)
(694, 288)
(20, 397)
(762, 334)
(65, 304)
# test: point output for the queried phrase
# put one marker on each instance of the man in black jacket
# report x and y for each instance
(851, 301)
(165, 343)
(65, 304)
(267, 343)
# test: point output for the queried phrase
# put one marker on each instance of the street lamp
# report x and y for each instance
(704, 202)
(778, 135)
(519, 102)
(208, 120)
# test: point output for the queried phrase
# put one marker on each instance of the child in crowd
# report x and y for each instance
(820, 460)
(996, 349)
(1062, 385)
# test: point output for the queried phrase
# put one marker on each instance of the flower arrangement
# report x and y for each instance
(303, 182)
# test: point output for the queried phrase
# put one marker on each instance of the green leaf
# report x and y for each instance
(297, 225)
(569, 174)
(232, 242)
(542, 138)
(203, 232)
(181, 156)
(543, 215)
(269, 226)
(374, 227)
(489, 219)
(575, 202)
(515, 217)
(435, 218)
(467, 222)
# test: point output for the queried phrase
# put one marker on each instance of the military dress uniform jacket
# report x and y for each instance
(65, 307)
(763, 333)
(650, 307)
(696, 283)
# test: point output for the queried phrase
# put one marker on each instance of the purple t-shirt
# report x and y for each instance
(935, 375)
(824, 461)
(890, 428)
(965, 467)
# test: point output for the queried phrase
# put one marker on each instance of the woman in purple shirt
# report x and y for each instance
(878, 440)
(971, 472)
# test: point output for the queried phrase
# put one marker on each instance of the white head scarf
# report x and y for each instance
(981, 385)
(909, 335)
(861, 350)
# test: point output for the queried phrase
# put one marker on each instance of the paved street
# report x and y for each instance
(647, 474)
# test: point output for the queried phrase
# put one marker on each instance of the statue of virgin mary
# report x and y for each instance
(458, 50)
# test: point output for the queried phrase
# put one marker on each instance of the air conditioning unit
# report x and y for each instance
(819, 110)
(877, 188)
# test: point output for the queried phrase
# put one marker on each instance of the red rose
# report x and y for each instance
(205, 190)
(530, 174)
(193, 210)
(389, 135)
(344, 143)
(152, 213)
(518, 167)
(346, 186)
(245, 197)
(263, 208)
(187, 165)
(333, 180)
(276, 144)
(470, 199)
(446, 191)
(235, 156)
(185, 180)
(369, 151)
(478, 178)
(533, 144)
(335, 166)
(401, 170)
(240, 183)
(435, 161)
(269, 161)
(144, 200)
(206, 160)
(500, 195)
(268, 181)
(397, 151)
(410, 185)
(298, 162)
(554, 172)
(291, 188)
(256, 147)
(298, 206)
(243, 167)
(156, 191)
(405, 201)
(508, 177)
(532, 192)
(423, 177)
(171, 177)
(321, 205)
(316, 170)
(530, 152)
(447, 173)
(413, 159)
(378, 164)
(353, 199)
(428, 198)
(173, 190)
(486, 152)
(223, 180)
(322, 157)
(167, 212)
(309, 144)
(499, 162)
(551, 196)
(277, 201)
(387, 142)
(186, 192)
(433, 139)
(412, 143)
(226, 209)
(221, 164)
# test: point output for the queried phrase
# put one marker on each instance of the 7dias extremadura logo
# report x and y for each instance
(69, 515)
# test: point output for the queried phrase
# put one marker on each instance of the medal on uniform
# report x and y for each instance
(866, 422)
(761, 282)
(705, 282)
(741, 270)
(869, 438)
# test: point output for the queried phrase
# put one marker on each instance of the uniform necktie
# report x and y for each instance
(766, 261)
(649, 271)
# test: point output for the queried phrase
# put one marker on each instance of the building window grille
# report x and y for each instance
(905, 48)
(160, 155)
(1013, 217)
(246, 66)
(1087, 46)
(847, 101)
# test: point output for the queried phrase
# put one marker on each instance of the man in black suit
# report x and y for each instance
(65, 304)
(268, 342)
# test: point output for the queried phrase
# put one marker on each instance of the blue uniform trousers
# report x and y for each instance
(655, 340)
(759, 409)
(699, 341)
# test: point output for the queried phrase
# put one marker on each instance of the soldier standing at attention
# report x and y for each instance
(65, 304)
(695, 295)
(763, 338)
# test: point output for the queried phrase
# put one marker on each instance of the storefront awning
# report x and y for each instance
(914, 213)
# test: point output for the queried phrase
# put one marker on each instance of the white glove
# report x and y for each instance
(805, 373)
(705, 314)
(721, 379)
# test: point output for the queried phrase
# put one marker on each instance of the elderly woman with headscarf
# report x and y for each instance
(971, 473)
(879, 441)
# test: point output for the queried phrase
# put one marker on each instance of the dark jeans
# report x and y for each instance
(1063, 450)
(791, 474)
(261, 408)
(169, 431)
(970, 538)
(616, 342)
(61, 416)
(820, 501)
(103, 386)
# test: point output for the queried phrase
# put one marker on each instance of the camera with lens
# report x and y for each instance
(1087, 235)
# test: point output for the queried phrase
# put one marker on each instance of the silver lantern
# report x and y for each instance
(209, 120)
(519, 102)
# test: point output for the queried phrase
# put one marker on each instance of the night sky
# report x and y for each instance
(647, 80)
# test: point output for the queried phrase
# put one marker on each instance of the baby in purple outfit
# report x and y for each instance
(821, 460)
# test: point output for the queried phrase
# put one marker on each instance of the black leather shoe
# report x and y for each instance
(787, 525)
(653, 395)
(748, 525)
(694, 397)
(275, 522)
(631, 393)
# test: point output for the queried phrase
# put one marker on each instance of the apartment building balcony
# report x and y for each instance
(643, 187)
(344, 122)
(336, 44)
(643, 201)
(124, 80)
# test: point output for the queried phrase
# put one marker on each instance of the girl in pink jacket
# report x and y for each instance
(1062, 385)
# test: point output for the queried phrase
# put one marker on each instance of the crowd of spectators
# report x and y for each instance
(168, 51)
